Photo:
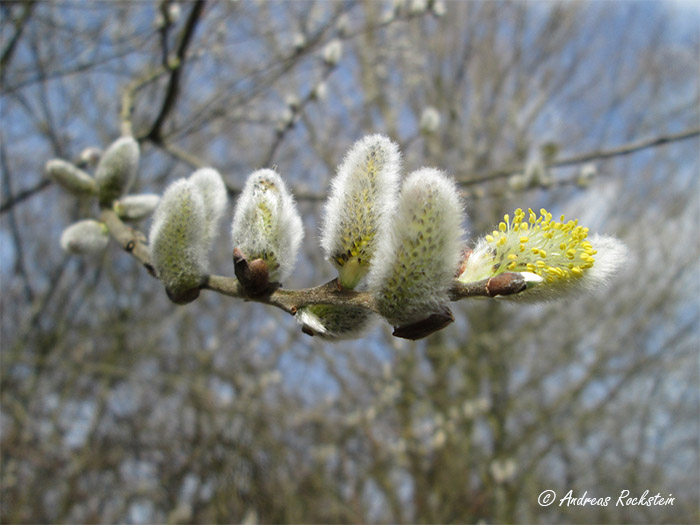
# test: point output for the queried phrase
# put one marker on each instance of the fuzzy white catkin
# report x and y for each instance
(136, 207)
(333, 52)
(214, 195)
(517, 182)
(173, 12)
(429, 120)
(503, 470)
(178, 238)
(85, 237)
(285, 119)
(438, 8)
(117, 169)
(418, 7)
(362, 199)
(412, 273)
(70, 177)
(266, 224)
(292, 101)
(335, 322)
(320, 91)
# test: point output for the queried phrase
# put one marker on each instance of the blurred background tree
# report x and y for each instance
(117, 405)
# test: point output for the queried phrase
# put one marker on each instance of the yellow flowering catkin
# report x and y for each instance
(556, 255)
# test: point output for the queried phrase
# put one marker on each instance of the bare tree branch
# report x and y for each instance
(196, 162)
(129, 94)
(625, 149)
(174, 85)
(9, 49)
(24, 194)
(20, 262)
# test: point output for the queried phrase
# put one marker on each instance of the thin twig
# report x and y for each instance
(296, 113)
(129, 94)
(9, 49)
(20, 262)
(24, 194)
(625, 149)
(195, 162)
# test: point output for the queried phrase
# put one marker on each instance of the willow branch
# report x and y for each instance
(291, 300)
(133, 242)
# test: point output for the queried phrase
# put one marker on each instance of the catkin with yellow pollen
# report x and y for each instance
(554, 256)
(359, 208)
